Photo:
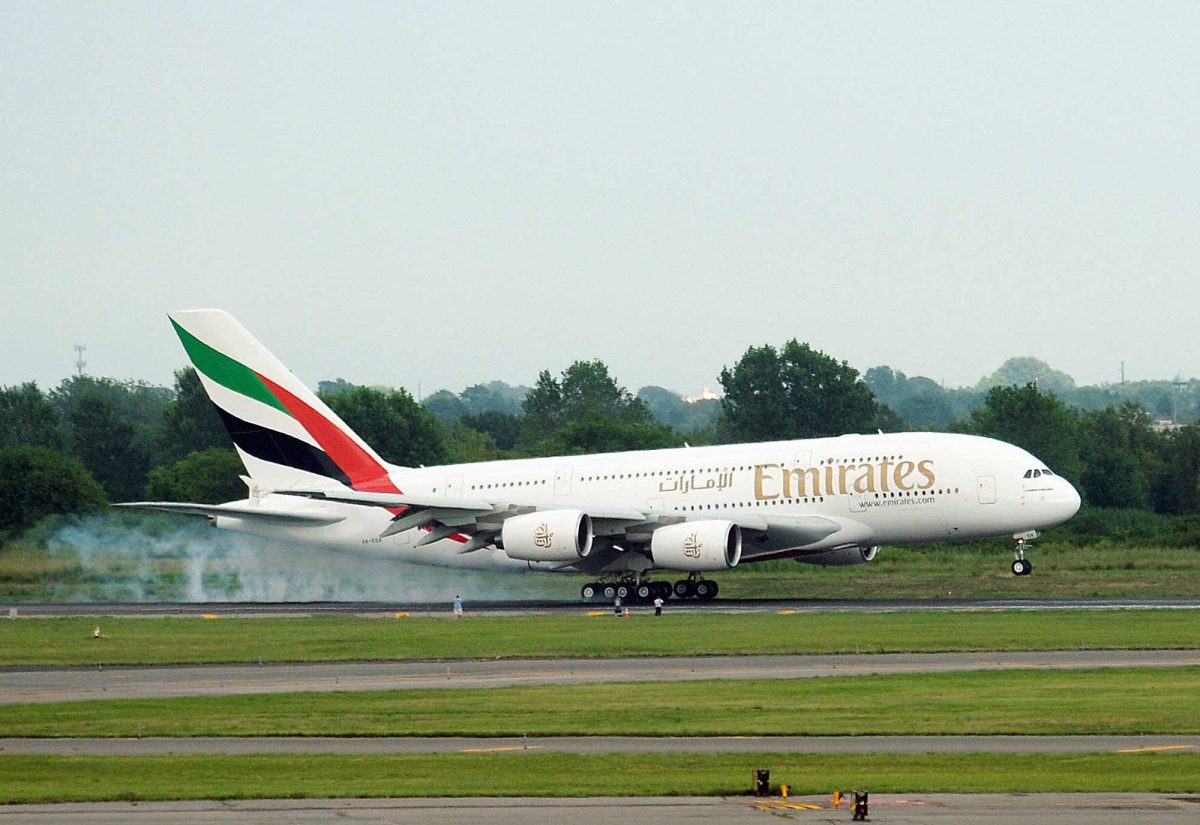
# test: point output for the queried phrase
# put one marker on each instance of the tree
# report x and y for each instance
(467, 445)
(798, 392)
(586, 389)
(1034, 420)
(1117, 448)
(1026, 370)
(1176, 490)
(335, 387)
(494, 396)
(27, 418)
(594, 433)
(107, 446)
(191, 422)
(445, 406)
(587, 411)
(393, 423)
(210, 476)
(39, 481)
(113, 427)
(502, 428)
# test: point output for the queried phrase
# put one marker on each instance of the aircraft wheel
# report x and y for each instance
(1020, 567)
(663, 590)
(588, 592)
(623, 592)
(683, 589)
(645, 592)
(705, 590)
(610, 592)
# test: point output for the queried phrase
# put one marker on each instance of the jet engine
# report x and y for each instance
(843, 556)
(697, 546)
(555, 535)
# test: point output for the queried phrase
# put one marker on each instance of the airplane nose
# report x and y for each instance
(1070, 500)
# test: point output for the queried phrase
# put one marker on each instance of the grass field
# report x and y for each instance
(95, 778)
(1116, 701)
(69, 641)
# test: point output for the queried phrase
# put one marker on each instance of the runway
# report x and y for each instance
(42, 685)
(377, 745)
(544, 607)
(996, 809)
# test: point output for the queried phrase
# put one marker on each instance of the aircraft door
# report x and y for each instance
(562, 481)
(987, 489)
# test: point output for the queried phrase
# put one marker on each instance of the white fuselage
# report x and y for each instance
(881, 489)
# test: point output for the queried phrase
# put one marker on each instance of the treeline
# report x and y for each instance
(96, 440)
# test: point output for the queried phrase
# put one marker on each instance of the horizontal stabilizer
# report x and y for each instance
(239, 511)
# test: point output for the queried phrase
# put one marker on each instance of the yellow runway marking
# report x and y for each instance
(502, 748)
(1155, 748)
(786, 806)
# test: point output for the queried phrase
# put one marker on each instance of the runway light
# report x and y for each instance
(210, 616)
(402, 614)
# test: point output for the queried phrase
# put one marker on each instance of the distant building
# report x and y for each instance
(705, 395)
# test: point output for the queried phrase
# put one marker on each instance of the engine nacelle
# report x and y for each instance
(842, 556)
(697, 546)
(555, 535)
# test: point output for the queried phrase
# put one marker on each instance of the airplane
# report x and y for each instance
(620, 517)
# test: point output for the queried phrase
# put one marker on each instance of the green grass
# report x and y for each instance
(94, 778)
(1113, 701)
(979, 570)
(69, 641)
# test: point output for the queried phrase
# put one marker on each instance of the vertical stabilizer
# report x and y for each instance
(286, 436)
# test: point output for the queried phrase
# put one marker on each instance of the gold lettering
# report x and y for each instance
(842, 471)
(925, 468)
(865, 483)
(829, 479)
(903, 470)
(807, 481)
(760, 475)
(884, 475)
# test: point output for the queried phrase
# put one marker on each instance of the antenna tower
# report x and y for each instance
(80, 349)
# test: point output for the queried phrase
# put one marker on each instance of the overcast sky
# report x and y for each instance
(449, 193)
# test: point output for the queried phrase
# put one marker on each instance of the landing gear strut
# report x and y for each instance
(1022, 541)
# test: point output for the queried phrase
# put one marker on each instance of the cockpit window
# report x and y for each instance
(1037, 473)
(1047, 473)
(1028, 474)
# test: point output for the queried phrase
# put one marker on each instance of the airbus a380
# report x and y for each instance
(617, 516)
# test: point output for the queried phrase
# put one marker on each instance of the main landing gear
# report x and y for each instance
(640, 591)
(1021, 542)
(694, 587)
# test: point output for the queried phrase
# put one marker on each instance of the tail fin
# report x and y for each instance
(285, 435)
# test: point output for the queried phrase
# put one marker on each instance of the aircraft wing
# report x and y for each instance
(480, 520)
(262, 514)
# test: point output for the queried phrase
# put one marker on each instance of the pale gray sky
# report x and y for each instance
(456, 192)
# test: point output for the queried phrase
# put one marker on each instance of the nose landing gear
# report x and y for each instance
(1021, 541)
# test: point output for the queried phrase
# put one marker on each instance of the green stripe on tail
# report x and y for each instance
(225, 371)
